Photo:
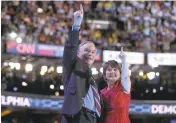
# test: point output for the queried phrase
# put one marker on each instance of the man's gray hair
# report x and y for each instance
(85, 42)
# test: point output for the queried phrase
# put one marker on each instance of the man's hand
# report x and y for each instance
(78, 16)
(122, 54)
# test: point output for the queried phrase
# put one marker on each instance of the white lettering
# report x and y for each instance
(154, 109)
(163, 109)
(174, 109)
(26, 102)
(169, 109)
(10, 99)
(3, 100)
(15, 101)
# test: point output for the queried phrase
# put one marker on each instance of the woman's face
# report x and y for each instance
(112, 74)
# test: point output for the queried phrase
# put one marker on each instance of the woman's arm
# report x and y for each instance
(125, 77)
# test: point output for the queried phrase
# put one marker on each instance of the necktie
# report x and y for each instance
(96, 97)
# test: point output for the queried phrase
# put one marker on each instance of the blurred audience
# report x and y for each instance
(139, 25)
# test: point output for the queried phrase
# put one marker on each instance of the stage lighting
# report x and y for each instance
(157, 73)
(17, 66)
(28, 67)
(44, 68)
(52, 86)
(18, 39)
(154, 90)
(12, 65)
(24, 84)
(15, 88)
(141, 73)
(57, 93)
(62, 87)
(151, 75)
(59, 69)
(5, 64)
(146, 91)
(51, 69)
(42, 73)
(161, 88)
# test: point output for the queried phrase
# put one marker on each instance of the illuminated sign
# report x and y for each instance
(132, 57)
(55, 104)
(29, 102)
(161, 58)
(35, 49)
(163, 109)
(15, 101)
(40, 49)
(26, 48)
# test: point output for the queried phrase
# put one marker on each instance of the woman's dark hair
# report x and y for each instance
(113, 64)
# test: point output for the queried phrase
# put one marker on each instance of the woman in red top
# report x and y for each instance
(117, 94)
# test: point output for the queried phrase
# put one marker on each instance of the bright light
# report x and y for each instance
(17, 66)
(28, 67)
(94, 71)
(146, 91)
(157, 73)
(5, 64)
(18, 39)
(101, 69)
(151, 75)
(44, 68)
(15, 88)
(42, 73)
(51, 69)
(24, 76)
(59, 69)
(39, 10)
(161, 88)
(24, 84)
(51, 86)
(13, 35)
(62, 87)
(57, 93)
(12, 65)
(154, 90)
(141, 73)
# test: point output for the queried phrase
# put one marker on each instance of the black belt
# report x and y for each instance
(89, 111)
(94, 114)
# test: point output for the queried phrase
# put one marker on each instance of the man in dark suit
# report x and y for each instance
(81, 96)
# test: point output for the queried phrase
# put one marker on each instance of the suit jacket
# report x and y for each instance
(76, 75)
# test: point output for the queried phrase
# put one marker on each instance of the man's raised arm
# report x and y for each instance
(71, 46)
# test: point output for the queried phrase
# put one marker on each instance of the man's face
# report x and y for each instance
(87, 53)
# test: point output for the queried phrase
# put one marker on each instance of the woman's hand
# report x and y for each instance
(122, 55)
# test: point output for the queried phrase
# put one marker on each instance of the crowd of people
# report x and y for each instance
(141, 26)
(146, 26)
